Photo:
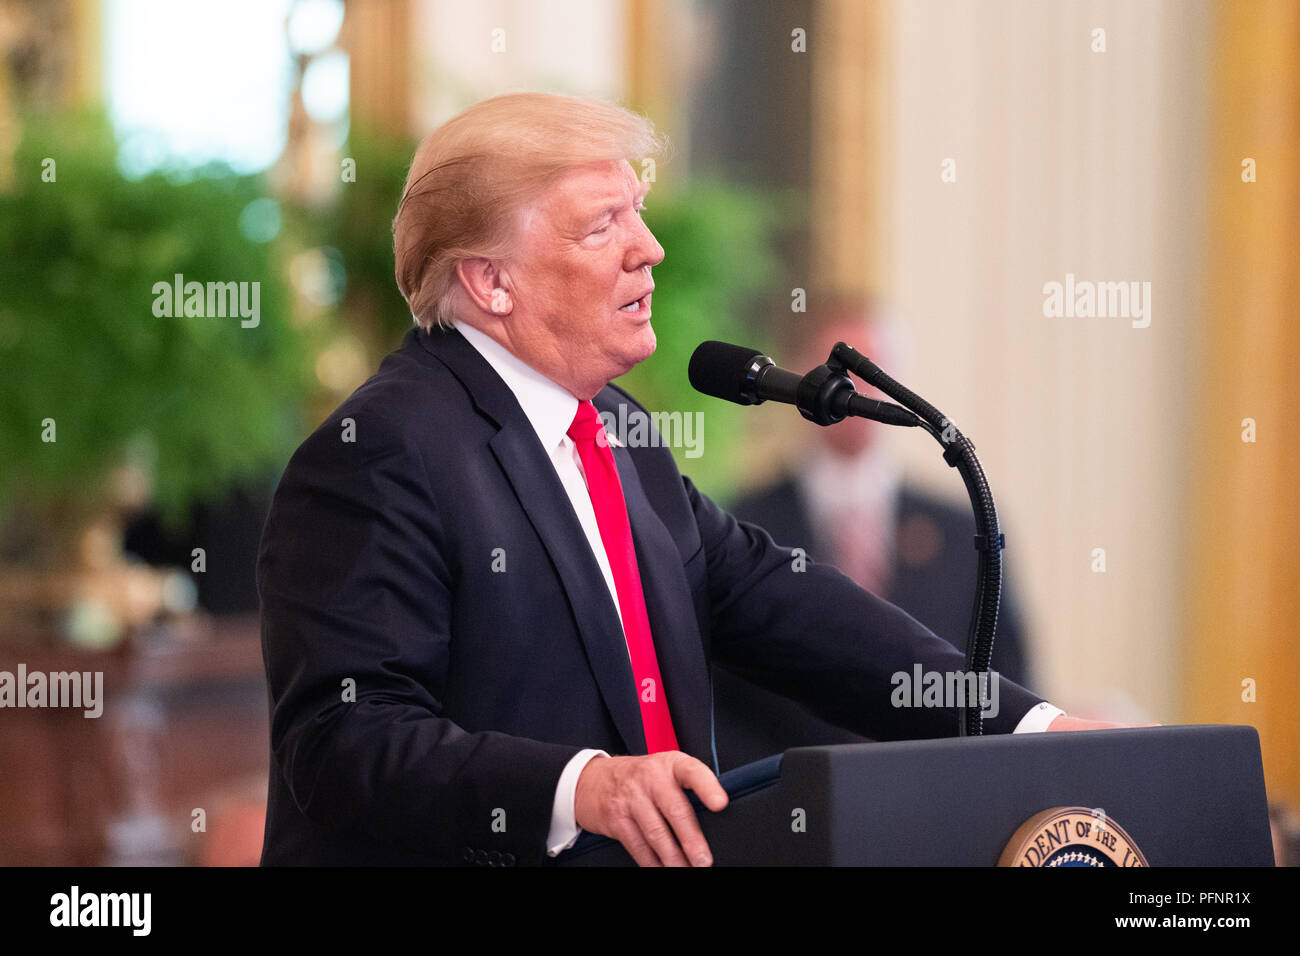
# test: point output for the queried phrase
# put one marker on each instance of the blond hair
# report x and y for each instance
(473, 177)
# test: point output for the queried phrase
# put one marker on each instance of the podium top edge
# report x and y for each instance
(1181, 731)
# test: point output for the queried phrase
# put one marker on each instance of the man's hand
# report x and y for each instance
(639, 802)
(1078, 723)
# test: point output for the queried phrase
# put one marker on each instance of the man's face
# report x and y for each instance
(584, 256)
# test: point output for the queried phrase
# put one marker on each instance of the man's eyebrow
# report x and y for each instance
(642, 190)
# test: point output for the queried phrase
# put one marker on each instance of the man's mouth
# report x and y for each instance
(636, 305)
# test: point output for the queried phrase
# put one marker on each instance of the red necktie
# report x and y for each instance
(606, 492)
(860, 548)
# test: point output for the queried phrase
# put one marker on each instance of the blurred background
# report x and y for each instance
(915, 174)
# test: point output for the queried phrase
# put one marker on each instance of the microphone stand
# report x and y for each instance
(828, 380)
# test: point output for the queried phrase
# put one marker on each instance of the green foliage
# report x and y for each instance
(80, 344)
(360, 225)
(718, 256)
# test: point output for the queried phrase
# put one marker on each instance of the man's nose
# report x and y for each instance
(644, 249)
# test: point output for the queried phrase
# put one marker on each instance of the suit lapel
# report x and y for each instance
(546, 503)
(669, 606)
(538, 488)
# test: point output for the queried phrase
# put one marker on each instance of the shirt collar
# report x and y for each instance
(869, 480)
(549, 407)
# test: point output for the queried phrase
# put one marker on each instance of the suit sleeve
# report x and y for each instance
(806, 631)
(356, 590)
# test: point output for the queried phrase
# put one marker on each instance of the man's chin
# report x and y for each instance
(634, 350)
(643, 345)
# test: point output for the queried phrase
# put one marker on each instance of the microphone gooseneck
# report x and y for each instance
(959, 452)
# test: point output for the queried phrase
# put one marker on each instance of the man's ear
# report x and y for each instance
(484, 283)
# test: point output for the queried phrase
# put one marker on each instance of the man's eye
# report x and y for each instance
(597, 232)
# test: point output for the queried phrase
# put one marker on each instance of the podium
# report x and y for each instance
(1185, 795)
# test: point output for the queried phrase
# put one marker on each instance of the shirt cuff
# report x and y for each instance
(1037, 718)
(564, 830)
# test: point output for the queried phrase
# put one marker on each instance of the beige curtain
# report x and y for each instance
(1244, 593)
(852, 92)
(377, 35)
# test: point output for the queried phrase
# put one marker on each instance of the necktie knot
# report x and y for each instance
(586, 423)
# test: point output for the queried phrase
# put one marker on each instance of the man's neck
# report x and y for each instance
(553, 371)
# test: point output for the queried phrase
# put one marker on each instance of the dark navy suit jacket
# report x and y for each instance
(424, 701)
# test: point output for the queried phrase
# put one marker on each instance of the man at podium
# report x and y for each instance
(488, 623)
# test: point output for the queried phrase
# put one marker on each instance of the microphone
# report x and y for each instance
(748, 377)
(741, 375)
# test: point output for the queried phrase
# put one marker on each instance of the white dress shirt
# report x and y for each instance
(550, 410)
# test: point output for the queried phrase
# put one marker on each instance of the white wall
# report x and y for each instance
(1067, 161)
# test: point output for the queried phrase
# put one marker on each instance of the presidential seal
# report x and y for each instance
(1071, 836)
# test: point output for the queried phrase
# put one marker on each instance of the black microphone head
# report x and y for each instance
(723, 371)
